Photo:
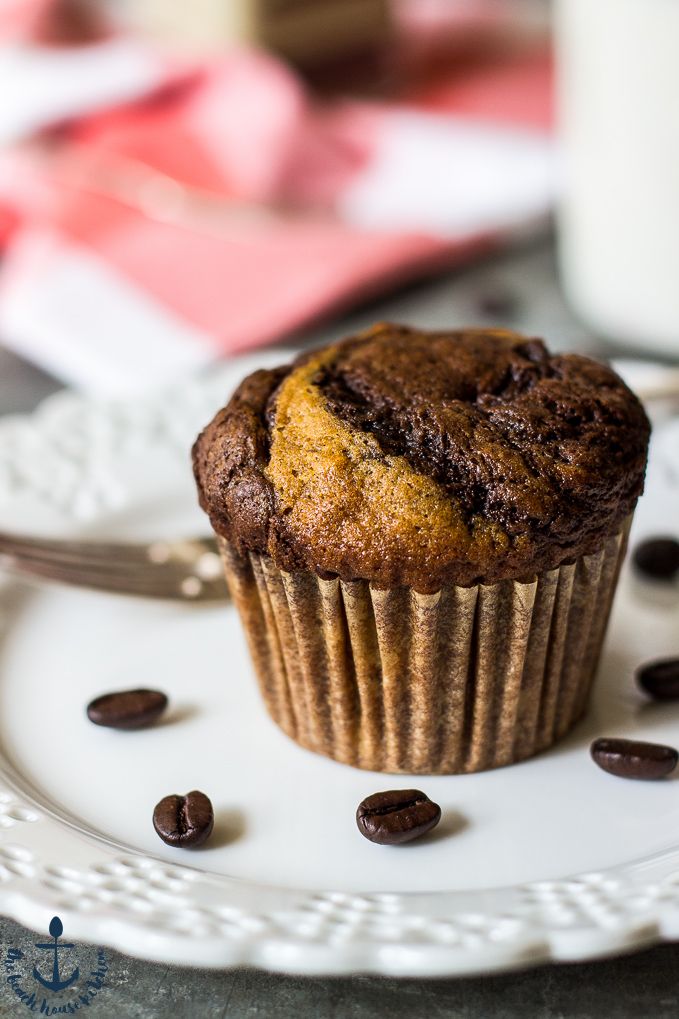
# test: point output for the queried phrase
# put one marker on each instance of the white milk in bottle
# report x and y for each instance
(618, 88)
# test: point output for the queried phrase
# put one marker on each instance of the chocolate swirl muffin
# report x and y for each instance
(423, 463)
(423, 459)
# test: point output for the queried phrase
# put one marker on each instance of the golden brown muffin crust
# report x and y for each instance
(420, 459)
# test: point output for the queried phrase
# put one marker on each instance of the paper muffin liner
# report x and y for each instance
(463, 680)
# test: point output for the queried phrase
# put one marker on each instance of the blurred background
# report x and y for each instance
(180, 182)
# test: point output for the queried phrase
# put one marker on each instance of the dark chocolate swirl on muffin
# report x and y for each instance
(419, 459)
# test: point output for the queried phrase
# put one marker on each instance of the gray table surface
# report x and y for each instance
(632, 987)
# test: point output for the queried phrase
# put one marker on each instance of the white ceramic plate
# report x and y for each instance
(550, 859)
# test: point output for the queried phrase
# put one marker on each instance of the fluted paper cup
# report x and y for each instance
(463, 680)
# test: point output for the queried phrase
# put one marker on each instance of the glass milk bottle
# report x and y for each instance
(618, 94)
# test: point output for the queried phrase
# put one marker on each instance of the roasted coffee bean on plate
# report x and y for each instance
(500, 304)
(657, 558)
(397, 815)
(127, 709)
(628, 758)
(660, 679)
(184, 821)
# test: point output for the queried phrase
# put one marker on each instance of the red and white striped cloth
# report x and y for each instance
(226, 209)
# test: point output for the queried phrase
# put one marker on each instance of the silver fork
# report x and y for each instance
(189, 569)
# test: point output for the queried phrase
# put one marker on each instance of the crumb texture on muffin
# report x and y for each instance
(420, 459)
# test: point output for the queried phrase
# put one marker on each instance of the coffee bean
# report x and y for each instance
(660, 679)
(397, 815)
(184, 821)
(630, 758)
(499, 304)
(127, 709)
(657, 558)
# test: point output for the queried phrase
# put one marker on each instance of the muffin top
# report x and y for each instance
(419, 459)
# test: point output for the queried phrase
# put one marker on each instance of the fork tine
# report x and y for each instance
(105, 567)
(54, 563)
(103, 551)
(48, 549)
(160, 569)
(155, 582)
